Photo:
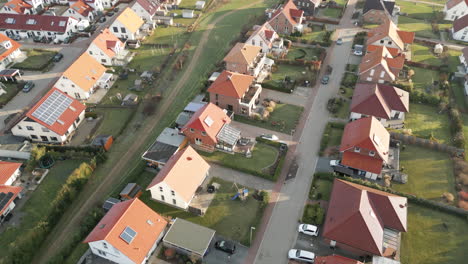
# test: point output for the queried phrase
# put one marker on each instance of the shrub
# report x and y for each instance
(93, 115)
(36, 154)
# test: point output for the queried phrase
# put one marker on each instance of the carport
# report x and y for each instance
(10, 75)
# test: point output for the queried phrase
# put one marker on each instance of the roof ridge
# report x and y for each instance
(132, 201)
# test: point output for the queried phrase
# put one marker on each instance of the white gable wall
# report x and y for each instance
(157, 194)
(69, 87)
(456, 11)
(257, 40)
(109, 3)
(116, 29)
(99, 55)
(72, 13)
(461, 35)
(105, 250)
(13, 177)
(141, 12)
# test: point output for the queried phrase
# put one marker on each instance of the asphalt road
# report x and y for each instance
(281, 233)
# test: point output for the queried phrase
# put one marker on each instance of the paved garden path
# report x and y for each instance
(89, 197)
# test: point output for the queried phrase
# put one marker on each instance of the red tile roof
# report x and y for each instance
(7, 169)
(381, 56)
(202, 118)
(66, 118)
(14, 46)
(147, 224)
(81, 8)
(19, 6)
(6, 189)
(335, 259)
(393, 51)
(34, 22)
(183, 173)
(379, 100)
(231, 84)
(368, 134)
(150, 6)
(357, 216)
(389, 30)
(290, 11)
(460, 23)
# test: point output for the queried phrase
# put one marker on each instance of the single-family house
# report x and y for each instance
(379, 66)
(247, 59)
(80, 11)
(53, 119)
(83, 77)
(235, 92)
(454, 9)
(365, 146)
(287, 19)
(56, 28)
(188, 238)
(177, 182)
(10, 50)
(308, 6)
(18, 7)
(127, 25)
(385, 102)
(200, 5)
(365, 221)
(460, 28)
(38, 5)
(97, 5)
(335, 259)
(128, 233)
(107, 49)
(147, 9)
(9, 172)
(387, 34)
(9, 195)
(264, 36)
(378, 11)
(208, 129)
(169, 142)
(188, 13)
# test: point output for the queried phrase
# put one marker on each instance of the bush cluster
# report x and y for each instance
(313, 214)
(334, 104)
(326, 135)
(456, 127)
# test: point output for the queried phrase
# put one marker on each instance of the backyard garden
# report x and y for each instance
(11, 90)
(426, 122)
(36, 60)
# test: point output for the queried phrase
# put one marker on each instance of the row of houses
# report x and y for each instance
(9, 194)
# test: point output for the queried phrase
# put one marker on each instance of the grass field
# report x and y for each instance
(303, 53)
(294, 72)
(434, 237)
(11, 90)
(321, 191)
(37, 59)
(430, 173)
(114, 121)
(423, 80)
(424, 120)
(421, 27)
(283, 119)
(314, 35)
(330, 12)
(424, 54)
(418, 10)
(343, 112)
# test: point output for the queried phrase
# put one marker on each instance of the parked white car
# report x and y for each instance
(301, 255)
(334, 163)
(309, 230)
(358, 50)
(269, 137)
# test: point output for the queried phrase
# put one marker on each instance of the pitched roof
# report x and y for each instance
(7, 195)
(183, 172)
(106, 41)
(56, 111)
(231, 84)
(335, 259)
(379, 100)
(460, 23)
(6, 52)
(149, 6)
(85, 72)
(377, 5)
(81, 8)
(19, 6)
(35, 22)
(393, 51)
(7, 169)
(390, 30)
(134, 214)
(210, 118)
(130, 20)
(381, 56)
(243, 53)
(367, 134)
(290, 11)
(452, 3)
(266, 33)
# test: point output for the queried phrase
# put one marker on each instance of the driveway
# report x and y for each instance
(254, 131)
(218, 257)
(240, 178)
(319, 246)
(294, 98)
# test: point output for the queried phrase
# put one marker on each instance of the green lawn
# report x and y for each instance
(343, 112)
(38, 205)
(424, 54)
(321, 190)
(11, 90)
(434, 237)
(37, 59)
(114, 121)
(430, 173)
(335, 137)
(149, 58)
(424, 120)
(304, 53)
(465, 129)
(317, 35)
(263, 156)
(294, 72)
(421, 27)
(418, 10)
(231, 219)
(167, 35)
(423, 80)
(283, 119)
(189, 4)
(458, 91)
(330, 12)
(184, 21)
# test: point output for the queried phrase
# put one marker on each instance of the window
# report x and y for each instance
(198, 141)
(371, 153)
(30, 128)
(162, 197)
(53, 139)
(104, 245)
(192, 130)
(174, 201)
(357, 149)
(382, 41)
(116, 29)
(382, 74)
(19, 127)
(45, 129)
(172, 192)
(44, 138)
(160, 189)
(123, 30)
(77, 95)
(34, 137)
(372, 71)
(90, 52)
(203, 133)
(101, 253)
(216, 96)
(253, 42)
(104, 60)
(390, 43)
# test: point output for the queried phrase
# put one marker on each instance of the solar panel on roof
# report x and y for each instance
(4, 198)
(52, 108)
(128, 235)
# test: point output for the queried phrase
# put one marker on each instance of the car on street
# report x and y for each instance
(57, 57)
(226, 246)
(270, 137)
(102, 20)
(301, 255)
(309, 230)
(28, 86)
(339, 41)
(16, 37)
(358, 50)
(109, 14)
(116, 9)
(325, 79)
(334, 163)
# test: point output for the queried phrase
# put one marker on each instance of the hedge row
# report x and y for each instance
(456, 127)
(248, 171)
(44, 64)
(326, 135)
(280, 88)
(313, 214)
(418, 96)
(275, 144)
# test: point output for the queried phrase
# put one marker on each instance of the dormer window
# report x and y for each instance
(371, 153)
(192, 130)
(203, 133)
(357, 149)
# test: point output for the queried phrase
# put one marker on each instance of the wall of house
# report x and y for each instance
(257, 40)
(169, 198)
(141, 12)
(69, 87)
(456, 11)
(461, 34)
(153, 248)
(387, 42)
(305, 5)
(36, 3)
(105, 250)
(99, 55)
(96, 4)
(375, 75)
(375, 16)
(224, 101)
(72, 13)
(350, 249)
(118, 29)
(236, 67)
(206, 142)
(10, 207)
(13, 177)
(182, 250)
(7, 10)
(282, 25)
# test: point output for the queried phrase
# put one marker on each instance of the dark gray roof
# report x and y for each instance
(109, 203)
(228, 134)
(183, 118)
(100, 140)
(377, 5)
(159, 152)
(130, 190)
(189, 236)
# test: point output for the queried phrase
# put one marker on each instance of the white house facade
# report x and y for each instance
(163, 193)
(97, 5)
(454, 9)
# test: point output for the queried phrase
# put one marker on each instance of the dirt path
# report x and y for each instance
(96, 195)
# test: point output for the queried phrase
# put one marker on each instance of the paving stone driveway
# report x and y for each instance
(240, 178)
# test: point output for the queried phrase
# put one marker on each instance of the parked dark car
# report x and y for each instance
(16, 37)
(57, 57)
(37, 39)
(325, 79)
(226, 246)
(116, 10)
(102, 20)
(28, 86)
(109, 14)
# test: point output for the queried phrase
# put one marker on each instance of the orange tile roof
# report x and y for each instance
(243, 53)
(106, 42)
(7, 169)
(208, 112)
(66, 118)
(393, 51)
(390, 30)
(147, 224)
(290, 11)
(6, 189)
(381, 56)
(14, 46)
(130, 20)
(231, 84)
(81, 8)
(183, 173)
(19, 6)
(85, 72)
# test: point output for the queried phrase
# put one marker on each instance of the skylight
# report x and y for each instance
(208, 121)
(128, 235)
(62, 23)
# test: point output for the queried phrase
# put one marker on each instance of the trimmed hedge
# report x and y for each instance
(313, 214)
(44, 64)
(280, 88)
(326, 135)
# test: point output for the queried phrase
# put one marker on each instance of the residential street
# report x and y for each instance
(281, 229)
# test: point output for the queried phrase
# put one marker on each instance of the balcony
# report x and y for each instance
(251, 95)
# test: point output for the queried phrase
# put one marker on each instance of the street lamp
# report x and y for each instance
(251, 228)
